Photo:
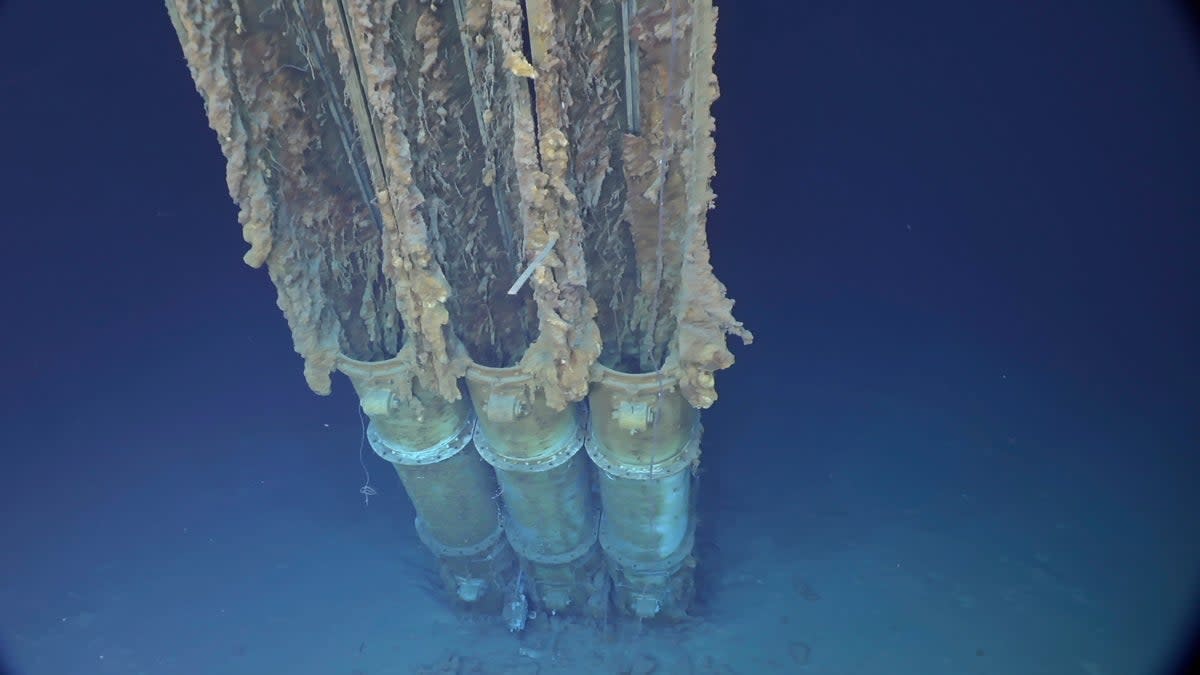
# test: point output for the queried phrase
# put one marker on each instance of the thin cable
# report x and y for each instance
(366, 490)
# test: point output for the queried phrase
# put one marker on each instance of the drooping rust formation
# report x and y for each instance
(399, 164)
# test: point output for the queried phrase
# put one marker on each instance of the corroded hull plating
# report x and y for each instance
(490, 215)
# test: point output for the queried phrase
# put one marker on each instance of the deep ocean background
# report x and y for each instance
(965, 235)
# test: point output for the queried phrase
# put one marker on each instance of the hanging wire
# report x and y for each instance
(366, 490)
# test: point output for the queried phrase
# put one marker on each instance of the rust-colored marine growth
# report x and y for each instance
(399, 163)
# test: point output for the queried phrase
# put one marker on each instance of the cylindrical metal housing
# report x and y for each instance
(645, 439)
(427, 439)
(551, 519)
